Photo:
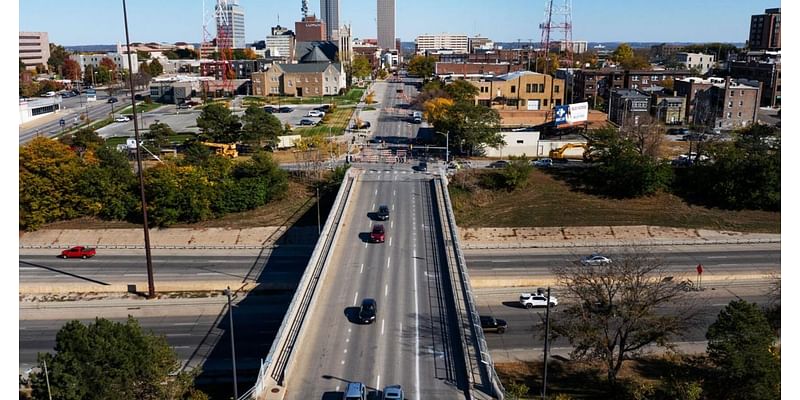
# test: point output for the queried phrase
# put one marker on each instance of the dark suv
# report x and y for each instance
(383, 213)
(491, 324)
(368, 311)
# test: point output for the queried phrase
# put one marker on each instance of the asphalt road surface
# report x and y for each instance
(110, 268)
(717, 260)
(410, 343)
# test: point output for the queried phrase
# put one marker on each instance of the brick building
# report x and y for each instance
(628, 106)
(592, 85)
(467, 70)
(521, 90)
(765, 30)
(728, 105)
(310, 29)
(300, 80)
(767, 72)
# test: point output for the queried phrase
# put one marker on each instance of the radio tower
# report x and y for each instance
(223, 41)
(304, 9)
(557, 19)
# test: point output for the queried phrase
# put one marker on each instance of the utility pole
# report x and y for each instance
(546, 342)
(151, 289)
(47, 380)
(227, 292)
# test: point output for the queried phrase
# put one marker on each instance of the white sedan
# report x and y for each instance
(315, 113)
(595, 259)
(121, 118)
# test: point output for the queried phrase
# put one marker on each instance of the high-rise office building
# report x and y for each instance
(765, 30)
(230, 30)
(330, 14)
(34, 49)
(386, 34)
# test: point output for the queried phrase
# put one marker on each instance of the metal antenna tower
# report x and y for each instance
(304, 9)
(557, 19)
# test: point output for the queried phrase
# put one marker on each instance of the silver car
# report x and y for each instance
(595, 259)
(394, 392)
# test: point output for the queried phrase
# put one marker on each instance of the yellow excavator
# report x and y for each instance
(558, 154)
(226, 150)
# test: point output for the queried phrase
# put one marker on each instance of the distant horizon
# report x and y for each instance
(182, 20)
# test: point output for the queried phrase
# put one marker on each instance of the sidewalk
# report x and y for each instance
(602, 236)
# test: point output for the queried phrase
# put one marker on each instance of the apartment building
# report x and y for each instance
(728, 105)
(594, 84)
(668, 109)
(449, 70)
(628, 106)
(119, 59)
(767, 72)
(702, 62)
(444, 41)
(300, 80)
(520, 90)
(280, 42)
(34, 49)
(765, 30)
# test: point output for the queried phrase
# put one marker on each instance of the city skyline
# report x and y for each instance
(181, 20)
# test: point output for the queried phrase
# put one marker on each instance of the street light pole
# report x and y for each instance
(546, 342)
(319, 220)
(151, 288)
(447, 149)
(227, 292)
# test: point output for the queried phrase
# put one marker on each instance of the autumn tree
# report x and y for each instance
(360, 68)
(461, 90)
(58, 55)
(158, 134)
(71, 70)
(472, 127)
(618, 309)
(109, 64)
(106, 359)
(249, 54)
(437, 108)
(422, 66)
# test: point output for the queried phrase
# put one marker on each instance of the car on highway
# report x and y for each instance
(595, 259)
(78, 252)
(378, 234)
(393, 392)
(383, 212)
(416, 117)
(492, 324)
(498, 164)
(121, 118)
(112, 100)
(285, 109)
(355, 391)
(543, 163)
(368, 311)
(315, 114)
(530, 300)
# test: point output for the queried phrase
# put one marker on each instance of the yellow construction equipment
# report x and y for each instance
(558, 154)
(226, 150)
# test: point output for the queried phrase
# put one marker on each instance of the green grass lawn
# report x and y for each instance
(546, 201)
(351, 97)
(335, 124)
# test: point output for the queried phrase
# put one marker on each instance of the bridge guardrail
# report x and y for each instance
(484, 359)
(273, 368)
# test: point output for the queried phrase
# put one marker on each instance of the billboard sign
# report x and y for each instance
(570, 114)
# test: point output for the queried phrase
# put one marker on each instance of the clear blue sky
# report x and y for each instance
(77, 22)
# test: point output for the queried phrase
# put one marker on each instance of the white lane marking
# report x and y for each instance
(386, 290)
(178, 334)
(345, 350)
(378, 385)
(387, 261)
(382, 327)
(347, 340)
(208, 273)
(337, 388)
(365, 245)
(362, 269)
(27, 268)
(376, 192)
(181, 347)
(390, 243)
(720, 256)
(354, 298)
(184, 323)
(134, 274)
(392, 224)
(342, 362)
(416, 327)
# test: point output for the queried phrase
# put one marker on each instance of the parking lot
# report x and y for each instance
(299, 112)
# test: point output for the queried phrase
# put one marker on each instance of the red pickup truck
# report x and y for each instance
(78, 252)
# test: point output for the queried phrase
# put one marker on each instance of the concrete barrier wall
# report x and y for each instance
(270, 383)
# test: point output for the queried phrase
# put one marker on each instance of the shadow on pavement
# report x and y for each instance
(258, 316)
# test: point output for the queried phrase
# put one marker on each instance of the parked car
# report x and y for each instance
(498, 164)
(323, 108)
(393, 392)
(271, 109)
(677, 131)
(78, 252)
(112, 100)
(543, 163)
(422, 166)
(595, 259)
(383, 213)
(378, 234)
(121, 118)
(694, 137)
(285, 109)
(492, 324)
(315, 114)
(49, 94)
(183, 106)
(530, 300)
(368, 311)
(307, 122)
(355, 391)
